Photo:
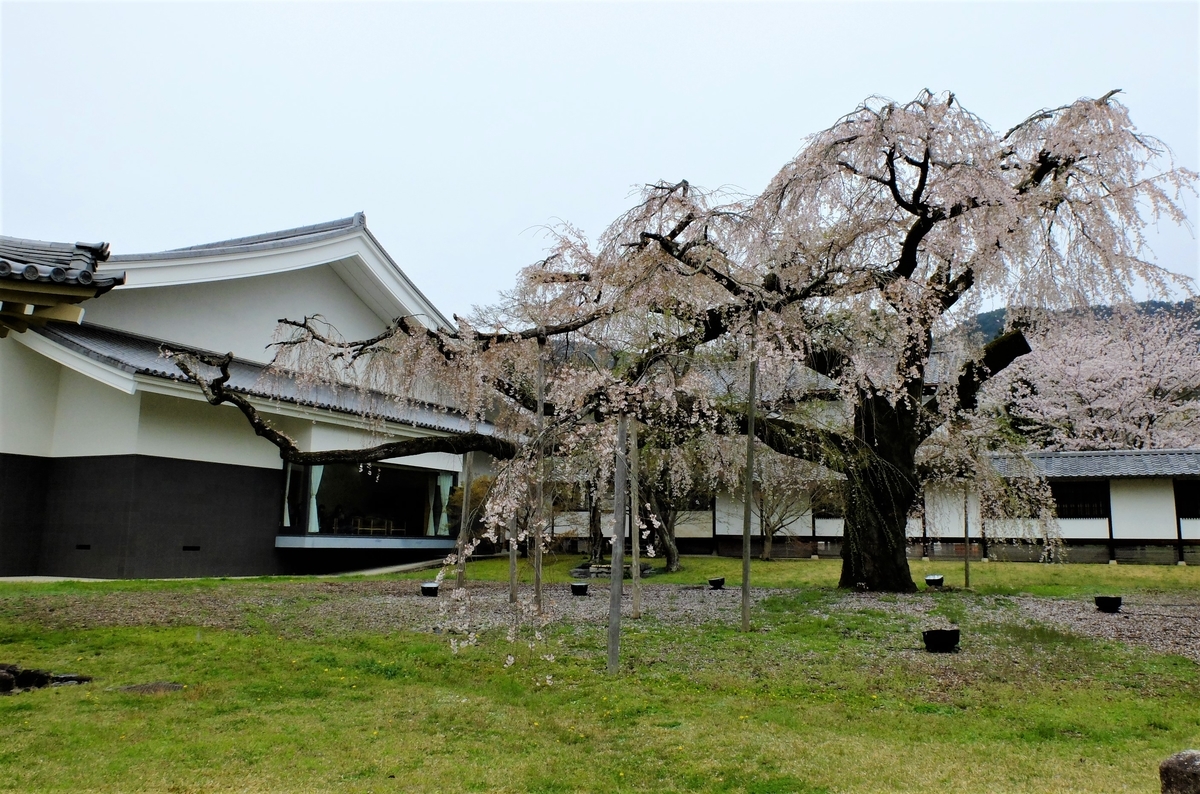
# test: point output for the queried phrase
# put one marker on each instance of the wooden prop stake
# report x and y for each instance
(616, 581)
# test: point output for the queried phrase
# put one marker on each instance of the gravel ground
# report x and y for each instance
(1170, 624)
(1167, 624)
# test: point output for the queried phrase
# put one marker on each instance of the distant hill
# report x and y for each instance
(990, 325)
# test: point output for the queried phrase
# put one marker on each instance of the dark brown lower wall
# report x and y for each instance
(133, 516)
(23, 480)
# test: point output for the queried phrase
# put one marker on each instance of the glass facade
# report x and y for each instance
(353, 499)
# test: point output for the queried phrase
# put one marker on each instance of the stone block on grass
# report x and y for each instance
(1180, 774)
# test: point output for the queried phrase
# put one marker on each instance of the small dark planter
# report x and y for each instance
(935, 580)
(429, 589)
(717, 583)
(940, 640)
(1109, 604)
(579, 588)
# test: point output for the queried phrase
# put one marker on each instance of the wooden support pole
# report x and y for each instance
(464, 524)
(512, 559)
(750, 400)
(540, 488)
(616, 580)
(966, 538)
(635, 533)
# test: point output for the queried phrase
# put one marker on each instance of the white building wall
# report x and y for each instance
(1190, 528)
(236, 315)
(944, 508)
(170, 427)
(731, 516)
(1084, 528)
(689, 524)
(28, 399)
(574, 524)
(829, 527)
(1024, 528)
(914, 527)
(92, 418)
(694, 524)
(1143, 509)
(322, 437)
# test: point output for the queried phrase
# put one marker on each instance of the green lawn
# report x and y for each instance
(991, 578)
(817, 699)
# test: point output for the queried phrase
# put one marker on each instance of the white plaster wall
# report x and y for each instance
(694, 524)
(1143, 509)
(689, 524)
(573, 524)
(1190, 527)
(28, 399)
(237, 315)
(439, 461)
(829, 527)
(944, 512)
(92, 418)
(1023, 528)
(171, 427)
(1083, 528)
(322, 437)
(731, 514)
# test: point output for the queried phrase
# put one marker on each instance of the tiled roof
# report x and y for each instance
(258, 242)
(139, 355)
(1109, 463)
(56, 263)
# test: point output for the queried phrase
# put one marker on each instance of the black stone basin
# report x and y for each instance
(940, 640)
(579, 588)
(1109, 604)
(717, 583)
(429, 589)
(935, 580)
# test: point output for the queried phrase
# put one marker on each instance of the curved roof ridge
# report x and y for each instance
(1110, 452)
(277, 239)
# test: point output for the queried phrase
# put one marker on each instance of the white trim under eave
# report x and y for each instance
(131, 383)
(107, 374)
(172, 388)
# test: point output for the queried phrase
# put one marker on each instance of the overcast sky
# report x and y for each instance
(462, 130)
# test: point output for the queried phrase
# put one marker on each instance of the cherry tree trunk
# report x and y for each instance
(768, 538)
(595, 531)
(881, 486)
(666, 538)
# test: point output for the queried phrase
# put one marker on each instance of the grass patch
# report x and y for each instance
(817, 699)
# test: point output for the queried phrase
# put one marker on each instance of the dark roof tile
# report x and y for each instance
(72, 264)
(1108, 463)
(141, 355)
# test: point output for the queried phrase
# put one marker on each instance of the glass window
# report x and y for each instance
(371, 500)
(1187, 498)
(1081, 498)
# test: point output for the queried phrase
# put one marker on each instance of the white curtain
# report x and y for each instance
(287, 487)
(314, 484)
(445, 483)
